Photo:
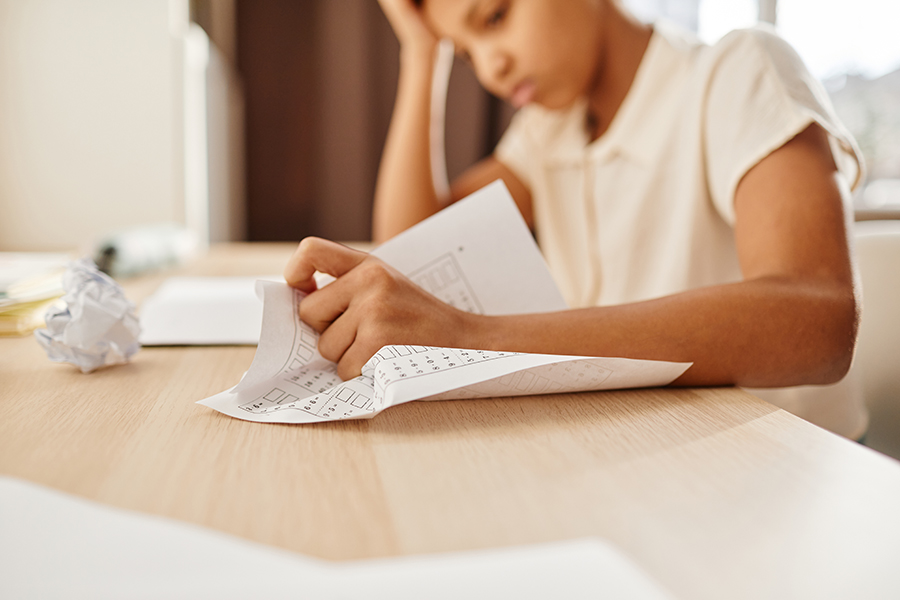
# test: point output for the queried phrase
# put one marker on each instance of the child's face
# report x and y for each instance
(544, 51)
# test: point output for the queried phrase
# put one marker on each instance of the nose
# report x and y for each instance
(493, 65)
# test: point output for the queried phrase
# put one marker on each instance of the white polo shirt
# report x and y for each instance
(647, 210)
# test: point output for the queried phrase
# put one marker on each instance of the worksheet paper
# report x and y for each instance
(55, 545)
(478, 256)
(203, 311)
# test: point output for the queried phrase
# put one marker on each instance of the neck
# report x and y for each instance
(624, 42)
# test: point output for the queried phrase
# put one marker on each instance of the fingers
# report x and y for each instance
(354, 358)
(338, 337)
(341, 341)
(322, 307)
(315, 254)
(407, 21)
(354, 315)
(368, 305)
(399, 11)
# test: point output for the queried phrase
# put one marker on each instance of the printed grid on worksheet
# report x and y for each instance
(444, 279)
(408, 362)
(305, 341)
(318, 391)
(332, 398)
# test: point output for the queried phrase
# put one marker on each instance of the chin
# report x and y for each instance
(557, 103)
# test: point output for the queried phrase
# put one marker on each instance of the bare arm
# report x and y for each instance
(404, 193)
(792, 320)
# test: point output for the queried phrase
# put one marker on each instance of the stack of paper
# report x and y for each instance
(29, 283)
(203, 311)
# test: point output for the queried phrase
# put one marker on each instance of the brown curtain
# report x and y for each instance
(319, 82)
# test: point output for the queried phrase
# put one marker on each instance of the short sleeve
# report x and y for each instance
(515, 149)
(759, 96)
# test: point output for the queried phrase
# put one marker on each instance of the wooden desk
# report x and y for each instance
(714, 493)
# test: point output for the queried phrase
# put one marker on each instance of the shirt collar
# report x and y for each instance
(647, 110)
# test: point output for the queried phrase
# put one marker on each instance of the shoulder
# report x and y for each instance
(755, 74)
(756, 96)
(758, 36)
(745, 52)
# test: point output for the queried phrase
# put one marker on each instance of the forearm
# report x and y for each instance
(769, 332)
(404, 193)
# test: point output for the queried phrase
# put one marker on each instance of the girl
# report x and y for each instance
(691, 201)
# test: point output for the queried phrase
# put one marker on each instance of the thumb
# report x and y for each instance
(315, 254)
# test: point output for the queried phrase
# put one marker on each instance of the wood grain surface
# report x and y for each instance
(712, 491)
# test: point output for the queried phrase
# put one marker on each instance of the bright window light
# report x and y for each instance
(835, 37)
(718, 17)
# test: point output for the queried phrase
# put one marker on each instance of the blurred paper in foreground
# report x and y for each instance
(56, 545)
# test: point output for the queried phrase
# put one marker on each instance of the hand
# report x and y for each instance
(369, 305)
(409, 25)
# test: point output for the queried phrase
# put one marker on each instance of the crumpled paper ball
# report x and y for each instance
(96, 327)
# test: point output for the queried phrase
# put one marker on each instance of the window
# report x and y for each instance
(710, 19)
(853, 48)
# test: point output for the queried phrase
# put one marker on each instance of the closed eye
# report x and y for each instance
(496, 17)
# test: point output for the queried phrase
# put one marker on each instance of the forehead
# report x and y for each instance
(450, 17)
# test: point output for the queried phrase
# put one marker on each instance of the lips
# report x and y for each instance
(523, 93)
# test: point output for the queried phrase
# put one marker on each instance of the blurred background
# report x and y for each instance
(263, 120)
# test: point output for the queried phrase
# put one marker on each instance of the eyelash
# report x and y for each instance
(492, 21)
(497, 15)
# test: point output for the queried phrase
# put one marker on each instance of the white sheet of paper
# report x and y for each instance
(477, 255)
(204, 311)
(53, 545)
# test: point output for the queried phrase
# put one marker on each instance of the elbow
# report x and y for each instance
(836, 343)
(814, 346)
(834, 366)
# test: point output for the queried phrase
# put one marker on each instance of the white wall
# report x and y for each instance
(225, 149)
(90, 120)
